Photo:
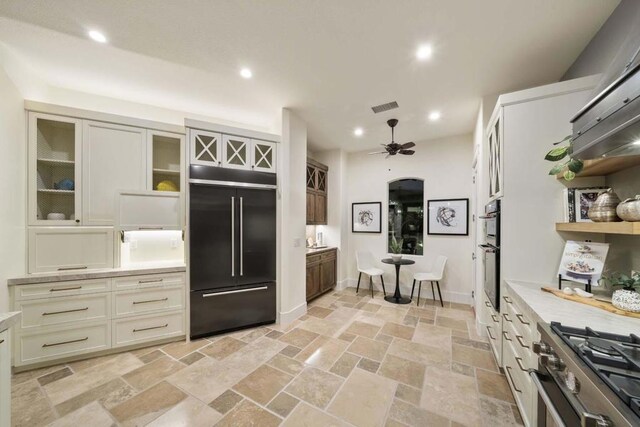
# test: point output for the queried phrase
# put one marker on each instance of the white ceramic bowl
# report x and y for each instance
(56, 216)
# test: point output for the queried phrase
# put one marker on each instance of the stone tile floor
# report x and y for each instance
(352, 360)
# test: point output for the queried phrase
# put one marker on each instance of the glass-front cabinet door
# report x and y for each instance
(263, 156)
(236, 152)
(206, 148)
(54, 169)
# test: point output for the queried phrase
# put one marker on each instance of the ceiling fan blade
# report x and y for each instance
(407, 152)
(387, 156)
(379, 152)
(407, 145)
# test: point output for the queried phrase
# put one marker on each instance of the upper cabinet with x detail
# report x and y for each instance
(234, 152)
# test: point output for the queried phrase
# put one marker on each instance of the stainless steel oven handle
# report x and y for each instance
(551, 410)
(215, 294)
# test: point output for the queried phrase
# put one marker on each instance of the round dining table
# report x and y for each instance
(397, 298)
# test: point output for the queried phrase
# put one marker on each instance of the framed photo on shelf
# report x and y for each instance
(583, 199)
(448, 217)
(366, 217)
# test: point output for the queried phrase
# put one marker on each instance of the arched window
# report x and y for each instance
(406, 216)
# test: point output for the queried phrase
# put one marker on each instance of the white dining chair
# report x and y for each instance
(434, 276)
(367, 264)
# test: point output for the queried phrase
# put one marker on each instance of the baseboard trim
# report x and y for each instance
(286, 317)
(451, 296)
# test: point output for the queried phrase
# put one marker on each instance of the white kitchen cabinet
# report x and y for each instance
(114, 158)
(165, 158)
(148, 328)
(205, 148)
(70, 248)
(54, 169)
(236, 152)
(149, 210)
(5, 380)
(263, 155)
(495, 151)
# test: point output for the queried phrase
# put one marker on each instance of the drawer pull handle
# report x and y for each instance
(487, 303)
(489, 332)
(64, 342)
(506, 317)
(66, 311)
(152, 327)
(495, 318)
(215, 294)
(505, 334)
(151, 300)
(150, 281)
(73, 288)
(511, 378)
(520, 365)
(521, 341)
(84, 267)
(151, 228)
(507, 300)
(521, 319)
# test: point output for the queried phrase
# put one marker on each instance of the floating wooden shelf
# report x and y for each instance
(606, 166)
(632, 228)
(52, 191)
(56, 162)
(166, 171)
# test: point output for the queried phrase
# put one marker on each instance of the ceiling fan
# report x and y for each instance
(394, 148)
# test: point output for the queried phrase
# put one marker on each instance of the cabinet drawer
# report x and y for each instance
(311, 259)
(148, 281)
(60, 289)
(147, 301)
(58, 343)
(56, 311)
(328, 255)
(520, 383)
(70, 248)
(520, 322)
(147, 328)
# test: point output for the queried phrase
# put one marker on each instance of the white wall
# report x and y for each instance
(12, 185)
(481, 196)
(292, 213)
(445, 166)
(337, 230)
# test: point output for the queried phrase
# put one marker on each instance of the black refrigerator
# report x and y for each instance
(232, 252)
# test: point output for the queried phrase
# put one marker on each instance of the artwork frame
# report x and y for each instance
(370, 225)
(435, 224)
(583, 199)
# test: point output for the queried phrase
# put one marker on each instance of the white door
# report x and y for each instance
(54, 165)
(236, 152)
(205, 148)
(263, 156)
(114, 159)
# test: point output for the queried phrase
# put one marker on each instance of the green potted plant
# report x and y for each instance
(561, 152)
(396, 248)
(628, 297)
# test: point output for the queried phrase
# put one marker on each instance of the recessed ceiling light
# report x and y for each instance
(434, 115)
(246, 73)
(358, 131)
(636, 142)
(97, 36)
(424, 52)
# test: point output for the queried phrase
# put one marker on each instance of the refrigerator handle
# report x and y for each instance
(241, 238)
(233, 226)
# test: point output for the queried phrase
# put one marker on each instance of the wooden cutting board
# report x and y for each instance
(603, 305)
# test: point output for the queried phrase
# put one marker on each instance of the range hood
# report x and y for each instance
(609, 125)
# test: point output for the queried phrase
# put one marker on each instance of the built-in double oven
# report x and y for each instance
(491, 252)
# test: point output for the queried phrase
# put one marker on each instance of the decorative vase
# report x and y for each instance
(626, 300)
(604, 208)
(629, 210)
(396, 257)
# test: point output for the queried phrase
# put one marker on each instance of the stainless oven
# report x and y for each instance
(491, 252)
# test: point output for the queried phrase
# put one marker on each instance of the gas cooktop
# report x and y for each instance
(615, 358)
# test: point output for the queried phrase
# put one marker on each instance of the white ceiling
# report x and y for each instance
(329, 61)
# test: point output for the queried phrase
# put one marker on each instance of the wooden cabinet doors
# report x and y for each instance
(327, 274)
(313, 279)
(321, 273)
(114, 158)
(320, 216)
(317, 177)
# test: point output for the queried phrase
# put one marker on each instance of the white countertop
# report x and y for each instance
(546, 307)
(155, 268)
(311, 251)
(9, 319)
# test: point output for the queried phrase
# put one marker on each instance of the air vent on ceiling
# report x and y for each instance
(385, 107)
